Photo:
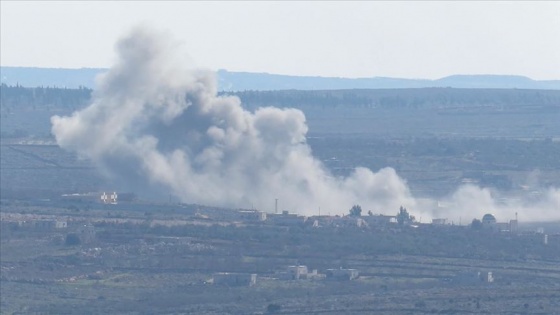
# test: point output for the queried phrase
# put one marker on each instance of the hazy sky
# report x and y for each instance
(348, 39)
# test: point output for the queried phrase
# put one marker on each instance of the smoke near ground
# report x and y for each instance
(157, 123)
(469, 201)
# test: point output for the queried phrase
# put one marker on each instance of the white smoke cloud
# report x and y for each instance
(152, 115)
(469, 201)
(154, 121)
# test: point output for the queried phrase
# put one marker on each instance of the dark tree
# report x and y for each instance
(476, 224)
(356, 211)
(403, 217)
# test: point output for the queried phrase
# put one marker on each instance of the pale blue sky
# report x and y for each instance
(348, 39)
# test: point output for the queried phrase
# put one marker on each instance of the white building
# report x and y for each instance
(109, 199)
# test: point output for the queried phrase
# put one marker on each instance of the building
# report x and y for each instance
(47, 225)
(380, 219)
(82, 197)
(297, 272)
(320, 220)
(490, 222)
(109, 199)
(253, 215)
(486, 277)
(286, 219)
(439, 221)
(300, 272)
(235, 279)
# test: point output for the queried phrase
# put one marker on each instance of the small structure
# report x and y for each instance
(489, 222)
(439, 221)
(253, 215)
(545, 239)
(380, 219)
(300, 272)
(82, 197)
(109, 199)
(314, 275)
(235, 279)
(473, 277)
(48, 225)
(342, 274)
(486, 277)
(348, 221)
(287, 219)
(297, 272)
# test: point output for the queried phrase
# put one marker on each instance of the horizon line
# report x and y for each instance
(316, 76)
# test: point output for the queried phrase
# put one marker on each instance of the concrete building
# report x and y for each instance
(253, 215)
(490, 222)
(109, 198)
(235, 279)
(286, 219)
(297, 272)
(82, 197)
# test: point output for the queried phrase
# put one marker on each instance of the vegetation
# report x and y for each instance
(136, 266)
(160, 258)
(403, 217)
(355, 211)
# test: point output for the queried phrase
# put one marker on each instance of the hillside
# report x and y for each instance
(241, 81)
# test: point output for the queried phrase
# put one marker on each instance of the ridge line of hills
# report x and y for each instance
(243, 81)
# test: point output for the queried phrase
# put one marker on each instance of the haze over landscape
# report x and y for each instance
(341, 157)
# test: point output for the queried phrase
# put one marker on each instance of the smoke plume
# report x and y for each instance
(155, 119)
(156, 122)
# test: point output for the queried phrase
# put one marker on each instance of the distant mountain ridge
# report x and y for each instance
(243, 81)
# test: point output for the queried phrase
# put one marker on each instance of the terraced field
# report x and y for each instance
(163, 262)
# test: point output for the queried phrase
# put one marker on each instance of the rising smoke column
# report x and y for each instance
(155, 121)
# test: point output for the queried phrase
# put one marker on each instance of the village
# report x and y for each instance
(250, 248)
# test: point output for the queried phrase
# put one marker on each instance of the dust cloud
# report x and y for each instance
(156, 122)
